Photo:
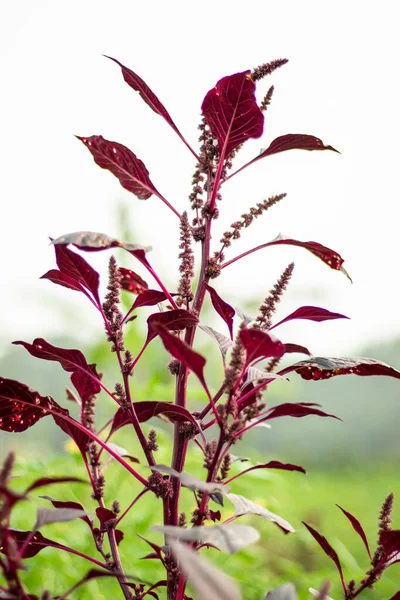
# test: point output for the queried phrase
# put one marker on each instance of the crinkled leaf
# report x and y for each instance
(327, 548)
(297, 410)
(357, 528)
(45, 481)
(223, 342)
(243, 506)
(191, 482)
(228, 537)
(131, 281)
(45, 516)
(123, 163)
(319, 367)
(69, 504)
(311, 313)
(295, 348)
(18, 416)
(225, 310)
(147, 409)
(94, 241)
(231, 111)
(148, 298)
(287, 591)
(205, 579)
(176, 320)
(259, 344)
(74, 267)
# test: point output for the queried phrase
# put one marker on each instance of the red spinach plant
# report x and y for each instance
(250, 357)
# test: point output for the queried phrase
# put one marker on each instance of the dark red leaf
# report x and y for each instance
(273, 464)
(295, 409)
(74, 266)
(86, 386)
(80, 438)
(104, 515)
(137, 83)
(259, 344)
(132, 282)
(44, 481)
(214, 515)
(69, 504)
(311, 313)
(182, 352)
(327, 548)
(357, 528)
(232, 113)
(396, 596)
(390, 541)
(148, 298)
(148, 409)
(150, 556)
(155, 547)
(37, 543)
(293, 348)
(224, 309)
(60, 278)
(173, 319)
(123, 163)
(18, 416)
(119, 536)
(319, 367)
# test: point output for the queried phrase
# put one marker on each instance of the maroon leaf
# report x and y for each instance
(173, 319)
(390, 541)
(37, 542)
(69, 427)
(182, 352)
(44, 481)
(123, 163)
(148, 298)
(137, 83)
(60, 278)
(232, 113)
(273, 464)
(327, 548)
(319, 367)
(224, 309)
(74, 267)
(311, 313)
(396, 596)
(104, 515)
(18, 416)
(214, 515)
(295, 409)
(86, 386)
(259, 344)
(148, 409)
(131, 281)
(292, 348)
(357, 528)
(119, 536)
(68, 504)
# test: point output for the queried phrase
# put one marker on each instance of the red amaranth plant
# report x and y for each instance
(250, 356)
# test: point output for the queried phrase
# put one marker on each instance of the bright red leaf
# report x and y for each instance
(225, 310)
(132, 282)
(232, 113)
(76, 268)
(148, 298)
(311, 313)
(176, 320)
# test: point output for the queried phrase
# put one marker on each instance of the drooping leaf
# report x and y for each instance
(295, 348)
(273, 464)
(232, 113)
(69, 504)
(223, 342)
(18, 416)
(148, 409)
(311, 313)
(287, 591)
(45, 481)
(123, 163)
(295, 409)
(259, 344)
(45, 516)
(319, 367)
(191, 482)
(131, 281)
(93, 241)
(60, 278)
(37, 542)
(327, 548)
(76, 268)
(148, 298)
(205, 579)
(140, 86)
(176, 320)
(244, 506)
(228, 537)
(357, 528)
(225, 310)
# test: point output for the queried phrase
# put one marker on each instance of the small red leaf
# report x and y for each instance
(311, 313)
(119, 536)
(175, 320)
(357, 528)
(148, 409)
(295, 409)
(148, 298)
(319, 367)
(259, 344)
(74, 266)
(232, 113)
(123, 163)
(131, 282)
(293, 348)
(104, 515)
(327, 548)
(273, 464)
(214, 515)
(224, 309)
(18, 416)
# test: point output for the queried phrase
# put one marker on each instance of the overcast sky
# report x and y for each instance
(341, 84)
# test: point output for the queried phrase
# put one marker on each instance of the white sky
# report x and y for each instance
(341, 84)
